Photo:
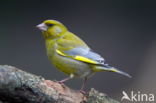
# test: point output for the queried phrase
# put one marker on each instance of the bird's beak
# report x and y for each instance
(42, 27)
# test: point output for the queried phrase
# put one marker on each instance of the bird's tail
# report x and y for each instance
(112, 69)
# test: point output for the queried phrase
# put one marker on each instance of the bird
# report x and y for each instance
(70, 54)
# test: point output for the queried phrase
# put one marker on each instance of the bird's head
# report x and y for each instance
(52, 29)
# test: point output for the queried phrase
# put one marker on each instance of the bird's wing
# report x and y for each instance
(82, 54)
(73, 47)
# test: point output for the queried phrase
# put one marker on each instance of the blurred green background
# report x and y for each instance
(123, 32)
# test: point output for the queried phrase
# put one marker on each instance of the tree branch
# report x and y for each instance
(17, 86)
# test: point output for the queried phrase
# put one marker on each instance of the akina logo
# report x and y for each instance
(137, 97)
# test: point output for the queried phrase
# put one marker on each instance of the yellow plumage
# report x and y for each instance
(71, 55)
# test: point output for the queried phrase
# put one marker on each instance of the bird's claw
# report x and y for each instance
(83, 92)
(60, 82)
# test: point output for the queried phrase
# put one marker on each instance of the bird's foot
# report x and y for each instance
(60, 82)
(83, 92)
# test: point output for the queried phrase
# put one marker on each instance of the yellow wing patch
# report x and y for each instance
(81, 58)
(59, 52)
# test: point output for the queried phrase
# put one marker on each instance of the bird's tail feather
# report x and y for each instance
(112, 69)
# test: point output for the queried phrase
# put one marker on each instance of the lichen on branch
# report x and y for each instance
(17, 86)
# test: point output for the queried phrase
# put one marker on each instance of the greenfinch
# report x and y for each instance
(70, 54)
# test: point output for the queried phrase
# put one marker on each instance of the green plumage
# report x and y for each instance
(71, 55)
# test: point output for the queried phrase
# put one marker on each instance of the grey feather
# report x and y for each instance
(87, 53)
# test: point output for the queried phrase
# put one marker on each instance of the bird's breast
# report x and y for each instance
(71, 66)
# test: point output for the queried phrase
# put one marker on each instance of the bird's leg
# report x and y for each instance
(63, 80)
(66, 79)
(83, 85)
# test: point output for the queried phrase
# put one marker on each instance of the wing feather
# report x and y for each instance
(82, 54)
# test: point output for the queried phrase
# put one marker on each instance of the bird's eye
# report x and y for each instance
(49, 25)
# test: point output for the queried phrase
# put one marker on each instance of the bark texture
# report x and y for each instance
(17, 86)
